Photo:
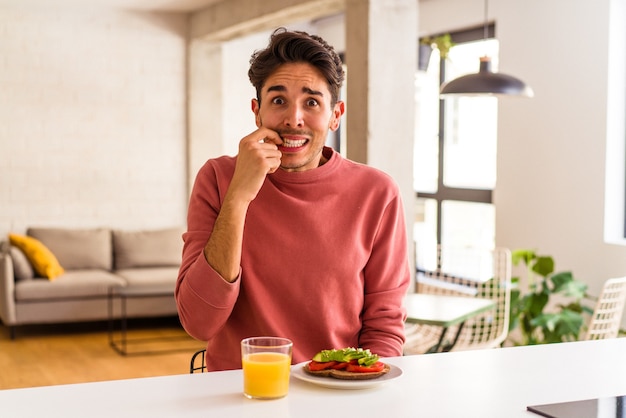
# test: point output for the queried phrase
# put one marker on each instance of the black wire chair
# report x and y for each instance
(197, 363)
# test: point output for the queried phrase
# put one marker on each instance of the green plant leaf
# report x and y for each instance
(566, 284)
(533, 303)
(560, 280)
(543, 266)
(570, 323)
(524, 255)
(574, 307)
(546, 320)
(576, 290)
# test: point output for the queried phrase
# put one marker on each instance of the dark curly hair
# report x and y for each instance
(296, 46)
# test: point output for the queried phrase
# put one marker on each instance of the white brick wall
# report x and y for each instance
(92, 119)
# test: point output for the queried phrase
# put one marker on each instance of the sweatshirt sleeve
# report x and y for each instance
(387, 278)
(204, 299)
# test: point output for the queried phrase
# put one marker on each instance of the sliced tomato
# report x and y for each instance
(376, 367)
(339, 365)
(317, 365)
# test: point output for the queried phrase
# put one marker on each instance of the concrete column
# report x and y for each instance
(205, 134)
(381, 57)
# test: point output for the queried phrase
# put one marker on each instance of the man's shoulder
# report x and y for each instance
(224, 162)
(367, 172)
(216, 170)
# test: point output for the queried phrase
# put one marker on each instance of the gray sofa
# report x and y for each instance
(94, 260)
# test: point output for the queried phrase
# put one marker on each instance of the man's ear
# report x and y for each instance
(255, 109)
(338, 111)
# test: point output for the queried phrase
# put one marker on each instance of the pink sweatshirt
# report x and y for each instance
(324, 263)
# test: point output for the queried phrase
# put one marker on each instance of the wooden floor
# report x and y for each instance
(77, 353)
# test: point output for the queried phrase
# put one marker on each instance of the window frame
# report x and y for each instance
(444, 192)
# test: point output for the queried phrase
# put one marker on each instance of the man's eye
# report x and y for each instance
(278, 101)
(311, 102)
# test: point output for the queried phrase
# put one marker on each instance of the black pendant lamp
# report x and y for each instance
(486, 82)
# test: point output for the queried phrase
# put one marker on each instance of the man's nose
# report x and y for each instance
(294, 116)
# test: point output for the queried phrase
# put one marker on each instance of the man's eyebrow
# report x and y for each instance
(276, 88)
(304, 90)
(312, 92)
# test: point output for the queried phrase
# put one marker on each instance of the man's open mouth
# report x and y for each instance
(291, 143)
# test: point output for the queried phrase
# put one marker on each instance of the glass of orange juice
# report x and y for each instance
(266, 362)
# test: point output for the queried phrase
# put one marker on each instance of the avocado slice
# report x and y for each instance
(345, 355)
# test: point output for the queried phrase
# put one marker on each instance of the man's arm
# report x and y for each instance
(207, 289)
(258, 156)
(387, 278)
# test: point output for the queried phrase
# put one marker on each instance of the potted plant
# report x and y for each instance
(442, 42)
(564, 320)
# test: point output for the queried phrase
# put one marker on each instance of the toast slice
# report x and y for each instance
(344, 375)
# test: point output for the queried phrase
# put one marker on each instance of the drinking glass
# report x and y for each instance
(266, 362)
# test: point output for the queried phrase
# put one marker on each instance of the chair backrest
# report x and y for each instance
(607, 315)
(197, 363)
(482, 273)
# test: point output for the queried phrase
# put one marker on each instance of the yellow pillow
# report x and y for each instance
(43, 261)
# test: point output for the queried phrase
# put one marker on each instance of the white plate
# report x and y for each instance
(298, 372)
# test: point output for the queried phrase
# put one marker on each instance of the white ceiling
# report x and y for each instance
(152, 5)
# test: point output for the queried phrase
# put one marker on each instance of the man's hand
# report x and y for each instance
(258, 156)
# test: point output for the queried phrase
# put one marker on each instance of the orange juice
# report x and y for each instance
(266, 375)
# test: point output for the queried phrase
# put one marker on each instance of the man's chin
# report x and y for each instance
(294, 166)
(290, 168)
(300, 162)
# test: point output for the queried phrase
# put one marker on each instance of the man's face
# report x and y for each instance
(296, 103)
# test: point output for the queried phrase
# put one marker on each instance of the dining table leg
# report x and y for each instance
(435, 348)
(440, 347)
(449, 347)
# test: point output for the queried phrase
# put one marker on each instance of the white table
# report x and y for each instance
(498, 383)
(444, 311)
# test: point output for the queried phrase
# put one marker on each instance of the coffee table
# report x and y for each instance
(118, 336)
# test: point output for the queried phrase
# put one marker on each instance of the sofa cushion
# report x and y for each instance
(22, 269)
(72, 284)
(148, 248)
(150, 276)
(42, 259)
(78, 249)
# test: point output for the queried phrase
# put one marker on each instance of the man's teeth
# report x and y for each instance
(292, 144)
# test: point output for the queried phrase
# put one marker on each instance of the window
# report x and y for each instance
(455, 151)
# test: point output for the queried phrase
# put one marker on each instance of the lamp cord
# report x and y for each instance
(485, 31)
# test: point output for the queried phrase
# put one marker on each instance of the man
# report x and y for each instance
(288, 238)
